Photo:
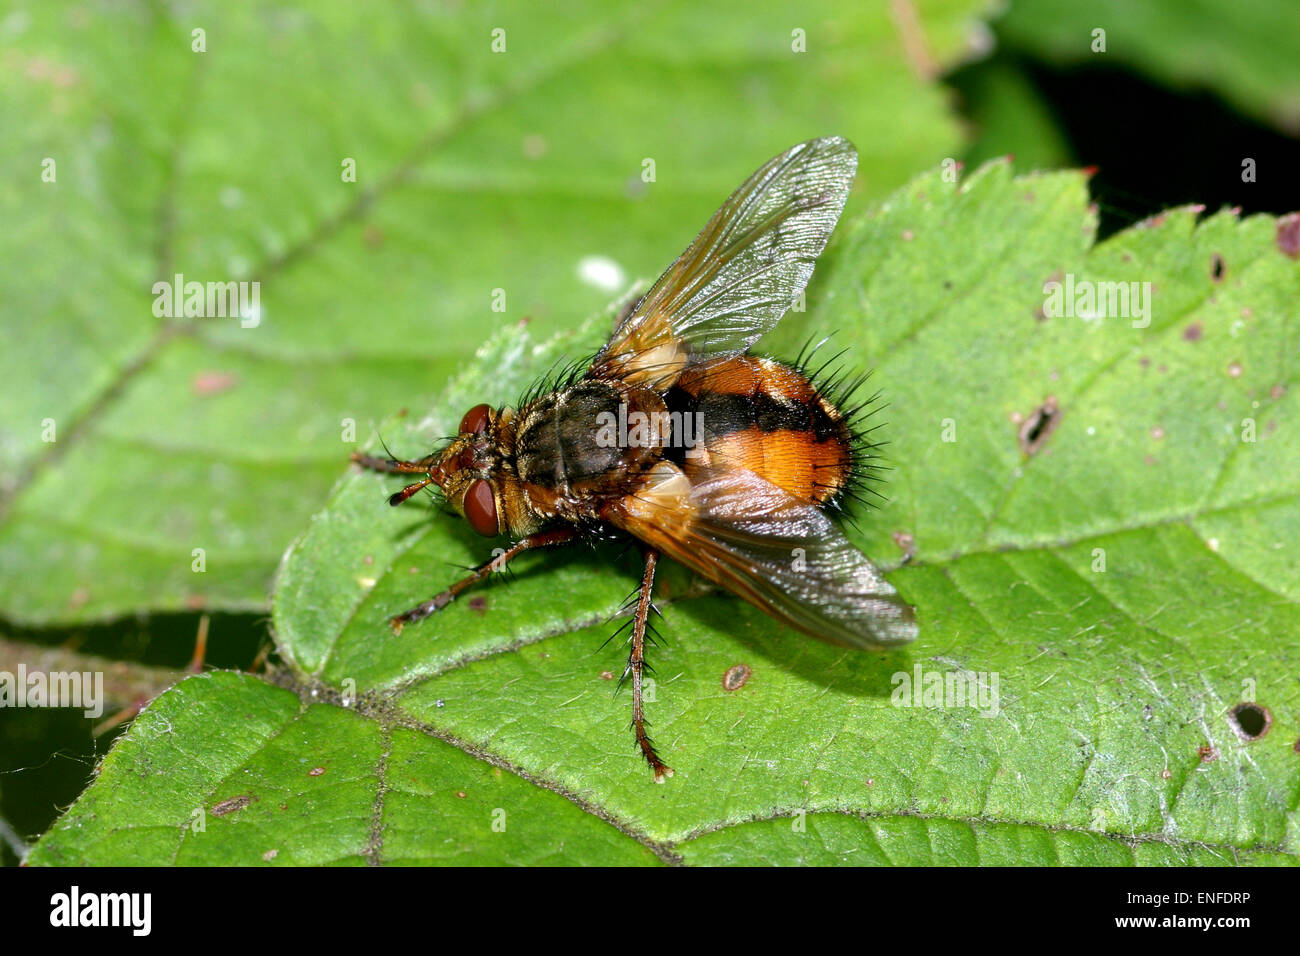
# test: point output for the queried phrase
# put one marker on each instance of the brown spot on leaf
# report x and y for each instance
(39, 68)
(315, 771)
(1288, 235)
(1165, 774)
(606, 675)
(212, 383)
(1040, 424)
(477, 603)
(1207, 753)
(906, 543)
(233, 804)
(1194, 332)
(736, 677)
(535, 146)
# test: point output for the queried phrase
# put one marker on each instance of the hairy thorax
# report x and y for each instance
(580, 447)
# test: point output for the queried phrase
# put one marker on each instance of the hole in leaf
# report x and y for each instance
(1039, 425)
(1251, 721)
(1217, 268)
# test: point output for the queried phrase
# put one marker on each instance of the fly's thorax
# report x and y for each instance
(579, 445)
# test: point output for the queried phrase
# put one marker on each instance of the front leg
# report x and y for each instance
(439, 601)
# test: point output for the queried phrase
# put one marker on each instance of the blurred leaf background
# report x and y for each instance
(476, 172)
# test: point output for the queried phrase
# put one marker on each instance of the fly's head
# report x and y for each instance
(469, 470)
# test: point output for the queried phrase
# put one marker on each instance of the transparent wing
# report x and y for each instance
(783, 555)
(742, 272)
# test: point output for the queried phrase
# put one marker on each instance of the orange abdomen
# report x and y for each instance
(764, 416)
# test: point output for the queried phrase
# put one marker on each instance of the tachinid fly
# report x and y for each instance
(724, 461)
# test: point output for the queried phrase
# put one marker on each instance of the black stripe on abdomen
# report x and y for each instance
(725, 412)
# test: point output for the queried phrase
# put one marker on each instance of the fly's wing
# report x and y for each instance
(783, 555)
(742, 272)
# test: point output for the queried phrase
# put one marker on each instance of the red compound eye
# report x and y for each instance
(475, 421)
(481, 509)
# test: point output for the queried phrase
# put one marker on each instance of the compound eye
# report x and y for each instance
(481, 508)
(475, 421)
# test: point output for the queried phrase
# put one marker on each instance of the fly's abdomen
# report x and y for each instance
(764, 416)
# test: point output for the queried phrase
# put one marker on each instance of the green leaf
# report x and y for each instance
(1246, 52)
(291, 783)
(475, 171)
(1126, 586)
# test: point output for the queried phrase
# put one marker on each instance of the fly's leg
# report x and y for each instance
(439, 601)
(392, 465)
(636, 665)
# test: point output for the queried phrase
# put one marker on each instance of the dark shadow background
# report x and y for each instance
(1153, 148)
